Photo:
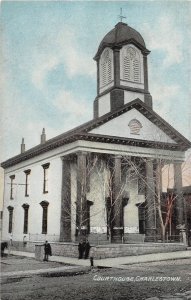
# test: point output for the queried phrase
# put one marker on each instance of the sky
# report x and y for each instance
(48, 75)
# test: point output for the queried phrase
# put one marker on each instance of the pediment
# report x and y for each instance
(133, 124)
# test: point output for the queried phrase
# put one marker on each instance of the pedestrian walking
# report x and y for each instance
(47, 251)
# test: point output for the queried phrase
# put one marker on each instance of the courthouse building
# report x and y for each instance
(101, 178)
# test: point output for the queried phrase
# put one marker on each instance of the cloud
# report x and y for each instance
(62, 48)
(165, 37)
(163, 96)
(39, 73)
(75, 109)
(169, 54)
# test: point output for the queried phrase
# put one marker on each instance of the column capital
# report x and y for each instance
(85, 153)
(64, 158)
(177, 162)
(118, 156)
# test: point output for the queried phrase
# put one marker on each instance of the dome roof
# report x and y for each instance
(120, 35)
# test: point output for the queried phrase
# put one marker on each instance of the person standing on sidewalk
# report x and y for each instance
(80, 249)
(87, 249)
(47, 251)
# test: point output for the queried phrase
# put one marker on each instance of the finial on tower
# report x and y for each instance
(43, 136)
(121, 17)
(22, 146)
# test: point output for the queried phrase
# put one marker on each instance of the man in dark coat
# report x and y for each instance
(47, 251)
(3, 246)
(80, 249)
(87, 249)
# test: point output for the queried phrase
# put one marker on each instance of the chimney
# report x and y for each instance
(22, 146)
(43, 137)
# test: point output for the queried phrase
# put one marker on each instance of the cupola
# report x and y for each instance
(121, 70)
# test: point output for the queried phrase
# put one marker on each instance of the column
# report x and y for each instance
(150, 218)
(179, 202)
(158, 188)
(65, 221)
(81, 203)
(146, 85)
(98, 77)
(147, 97)
(116, 53)
(117, 228)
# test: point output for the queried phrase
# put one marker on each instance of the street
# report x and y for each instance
(104, 284)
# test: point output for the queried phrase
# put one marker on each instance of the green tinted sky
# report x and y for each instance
(48, 76)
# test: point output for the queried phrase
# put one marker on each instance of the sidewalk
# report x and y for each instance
(62, 271)
(117, 262)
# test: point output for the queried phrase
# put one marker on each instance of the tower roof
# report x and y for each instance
(121, 34)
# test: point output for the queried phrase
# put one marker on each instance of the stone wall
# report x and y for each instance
(103, 251)
(111, 250)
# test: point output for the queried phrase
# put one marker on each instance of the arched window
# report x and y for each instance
(12, 177)
(131, 65)
(10, 209)
(135, 126)
(44, 205)
(45, 179)
(106, 67)
(25, 227)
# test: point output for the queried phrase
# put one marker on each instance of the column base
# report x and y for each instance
(81, 234)
(150, 235)
(67, 240)
(116, 236)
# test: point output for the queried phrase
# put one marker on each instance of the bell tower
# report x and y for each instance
(122, 73)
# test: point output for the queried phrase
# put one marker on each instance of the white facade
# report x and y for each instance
(36, 196)
(104, 105)
(99, 188)
(130, 96)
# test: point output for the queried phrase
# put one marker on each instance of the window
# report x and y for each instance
(135, 126)
(45, 180)
(26, 209)
(27, 172)
(12, 177)
(44, 205)
(131, 65)
(106, 67)
(141, 212)
(10, 209)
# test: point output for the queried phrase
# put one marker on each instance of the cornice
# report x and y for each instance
(82, 132)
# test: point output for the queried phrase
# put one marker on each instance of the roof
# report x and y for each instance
(121, 34)
(82, 133)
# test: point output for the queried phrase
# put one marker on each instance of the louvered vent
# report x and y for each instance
(136, 70)
(104, 73)
(126, 68)
(106, 68)
(135, 126)
(131, 65)
(109, 71)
